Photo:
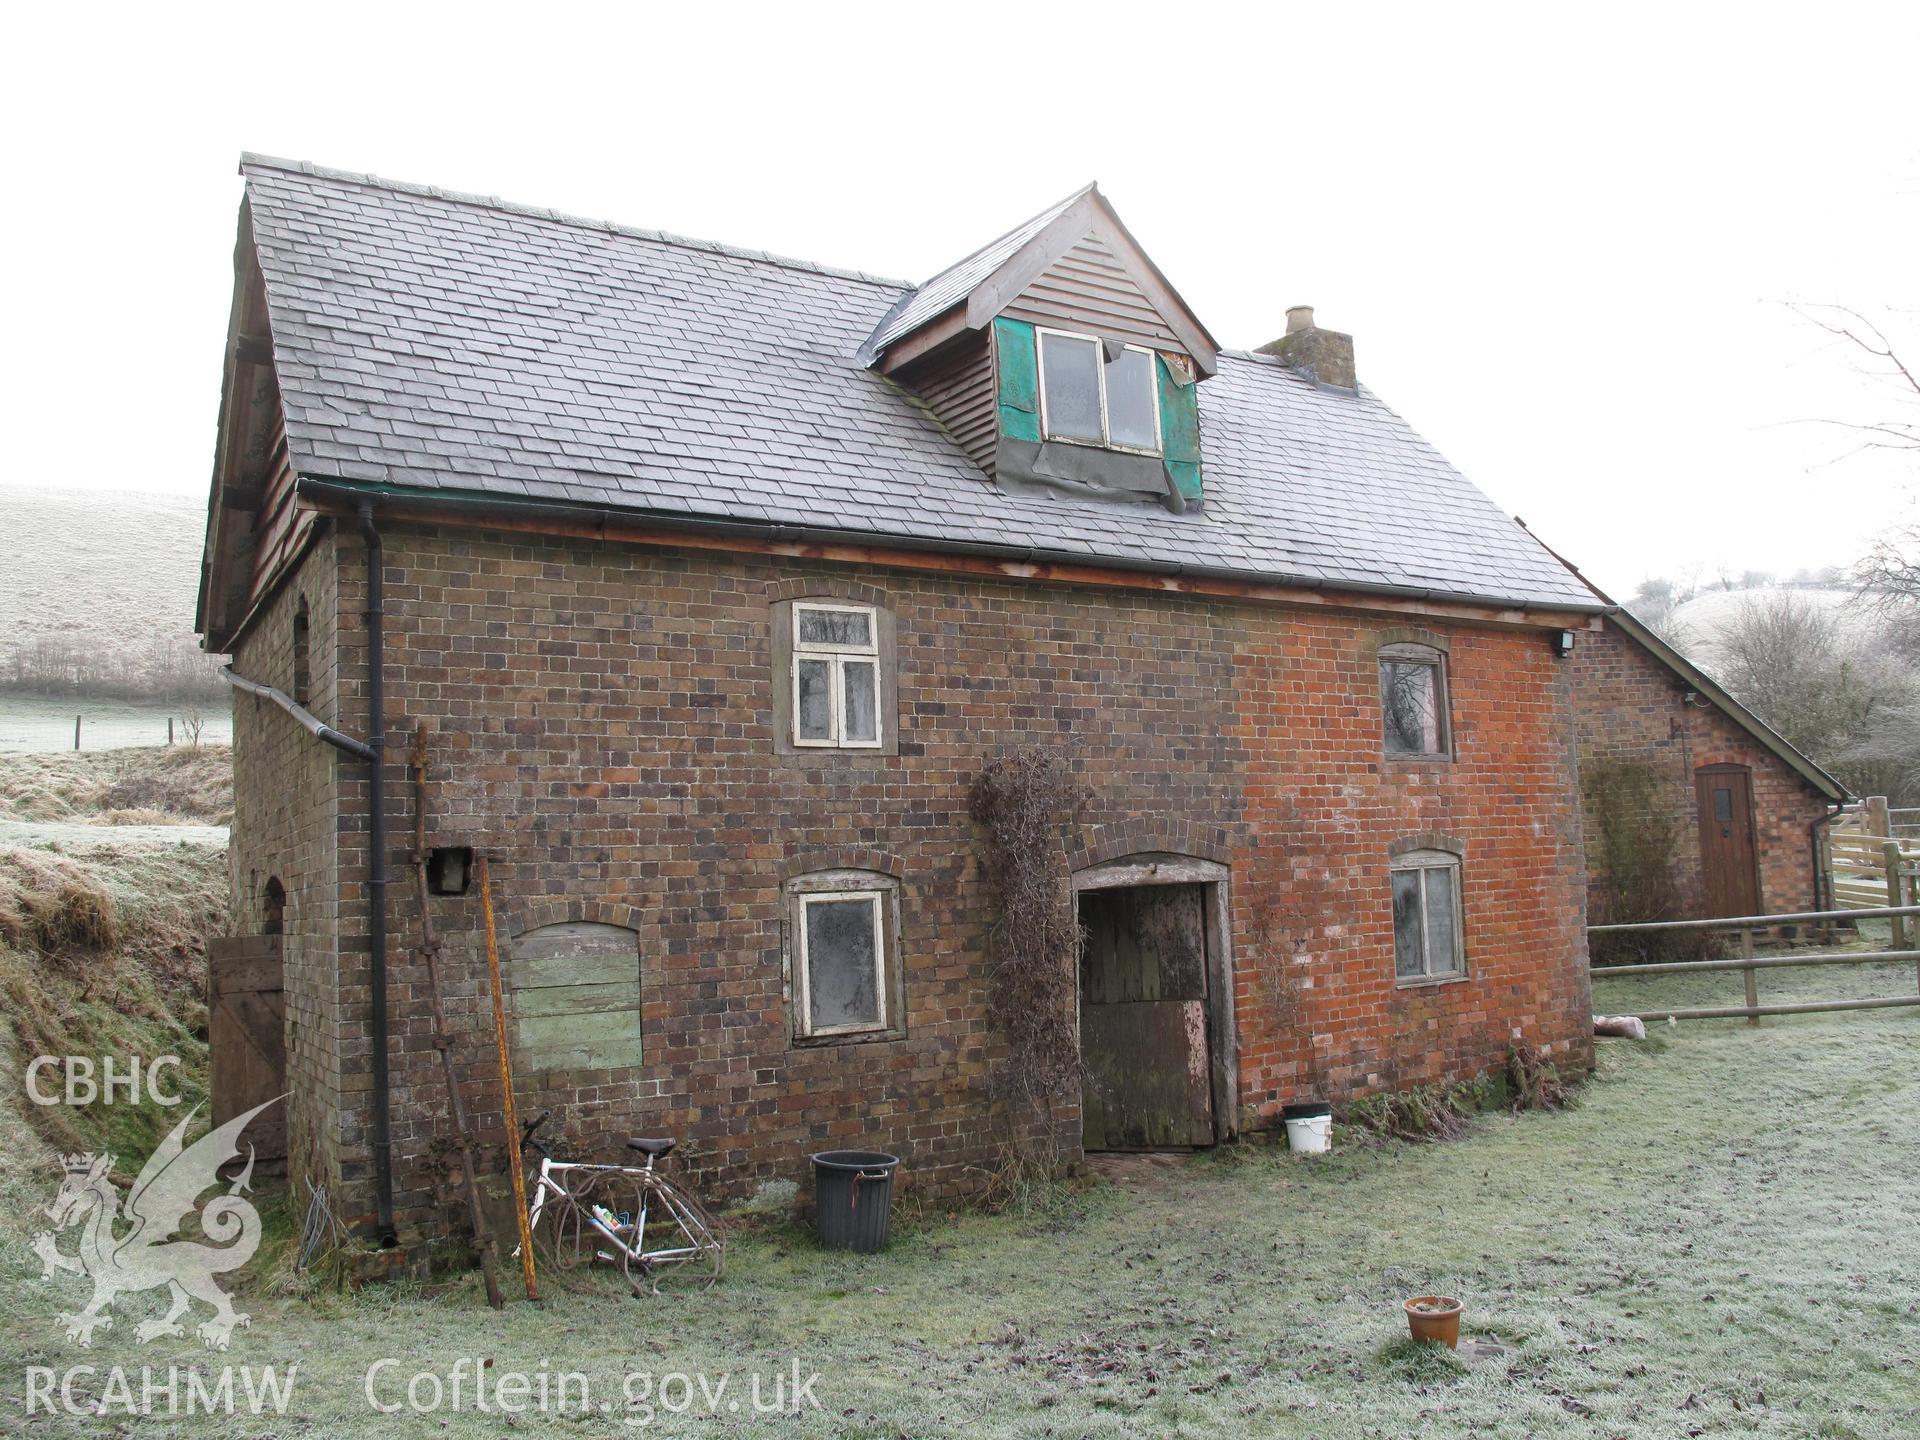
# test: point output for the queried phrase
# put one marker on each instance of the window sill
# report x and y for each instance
(1101, 445)
(1428, 982)
(848, 1037)
(1438, 757)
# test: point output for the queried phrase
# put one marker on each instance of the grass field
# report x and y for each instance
(43, 724)
(112, 568)
(1718, 1239)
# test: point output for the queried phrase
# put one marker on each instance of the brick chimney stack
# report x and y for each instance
(1323, 356)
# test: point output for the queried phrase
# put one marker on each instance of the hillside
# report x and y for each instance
(100, 599)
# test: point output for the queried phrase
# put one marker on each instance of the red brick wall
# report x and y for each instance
(1320, 1009)
(601, 721)
(1632, 709)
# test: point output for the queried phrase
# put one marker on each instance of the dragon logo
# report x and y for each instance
(140, 1251)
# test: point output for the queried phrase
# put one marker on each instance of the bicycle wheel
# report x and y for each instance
(563, 1239)
(681, 1242)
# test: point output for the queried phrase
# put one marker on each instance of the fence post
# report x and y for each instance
(1753, 984)
(1895, 889)
(76, 732)
(169, 730)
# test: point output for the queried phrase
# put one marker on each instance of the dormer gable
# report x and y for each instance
(1059, 357)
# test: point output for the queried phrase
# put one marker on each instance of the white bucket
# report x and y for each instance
(1311, 1136)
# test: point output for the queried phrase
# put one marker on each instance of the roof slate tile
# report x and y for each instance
(441, 341)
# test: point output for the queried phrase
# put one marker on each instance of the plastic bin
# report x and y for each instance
(852, 1197)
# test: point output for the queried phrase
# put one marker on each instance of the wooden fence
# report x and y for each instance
(1872, 856)
(1906, 946)
(1906, 826)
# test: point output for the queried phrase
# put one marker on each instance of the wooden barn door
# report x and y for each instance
(1143, 1019)
(247, 1038)
(1729, 875)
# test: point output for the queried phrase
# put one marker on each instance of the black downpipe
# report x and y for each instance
(377, 874)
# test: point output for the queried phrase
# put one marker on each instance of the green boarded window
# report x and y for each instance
(573, 994)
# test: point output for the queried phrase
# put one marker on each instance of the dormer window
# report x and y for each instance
(1095, 392)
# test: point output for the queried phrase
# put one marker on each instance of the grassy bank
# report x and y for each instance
(109, 888)
(1718, 1239)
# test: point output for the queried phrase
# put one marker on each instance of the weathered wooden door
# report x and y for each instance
(1143, 1019)
(1729, 877)
(247, 1038)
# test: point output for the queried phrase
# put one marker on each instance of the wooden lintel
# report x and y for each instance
(618, 531)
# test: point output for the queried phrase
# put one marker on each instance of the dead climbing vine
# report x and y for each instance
(1021, 800)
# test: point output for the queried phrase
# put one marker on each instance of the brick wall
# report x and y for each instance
(1320, 1009)
(1632, 711)
(601, 722)
(286, 801)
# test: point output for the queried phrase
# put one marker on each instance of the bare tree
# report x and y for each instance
(1835, 690)
(1887, 577)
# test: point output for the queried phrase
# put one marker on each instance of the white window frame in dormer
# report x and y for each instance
(1040, 332)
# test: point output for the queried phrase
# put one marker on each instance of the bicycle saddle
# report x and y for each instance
(653, 1148)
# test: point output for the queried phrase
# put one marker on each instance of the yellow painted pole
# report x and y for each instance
(506, 1087)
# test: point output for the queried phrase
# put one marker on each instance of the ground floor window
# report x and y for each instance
(843, 961)
(1426, 916)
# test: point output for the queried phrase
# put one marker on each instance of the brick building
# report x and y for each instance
(715, 579)
(1693, 806)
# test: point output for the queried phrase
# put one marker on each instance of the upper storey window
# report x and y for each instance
(1095, 392)
(1413, 700)
(836, 676)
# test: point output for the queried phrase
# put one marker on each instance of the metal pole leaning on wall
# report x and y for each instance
(509, 1110)
(442, 1035)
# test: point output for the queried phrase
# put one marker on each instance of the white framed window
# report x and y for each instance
(1096, 392)
(836, 676)
(840, 980)
(1428, 937)
(1413, 701)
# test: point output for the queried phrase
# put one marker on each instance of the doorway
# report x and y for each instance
(1729, 876)
(1155, 1006)
(247, 1038)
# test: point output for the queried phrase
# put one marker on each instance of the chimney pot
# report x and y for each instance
(1299, 317)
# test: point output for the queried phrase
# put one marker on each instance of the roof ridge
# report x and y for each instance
(1058, 207)
(250, 158)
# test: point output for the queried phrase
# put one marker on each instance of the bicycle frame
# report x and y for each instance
(650, 1182)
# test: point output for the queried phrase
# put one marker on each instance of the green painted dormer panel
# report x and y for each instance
(1017, 405)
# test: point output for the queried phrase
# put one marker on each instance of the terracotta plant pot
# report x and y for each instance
(1435, 1317)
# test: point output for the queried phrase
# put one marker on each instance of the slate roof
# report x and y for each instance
(956, 282)
(457, 344)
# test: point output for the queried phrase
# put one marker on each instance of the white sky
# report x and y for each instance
(1562, 244)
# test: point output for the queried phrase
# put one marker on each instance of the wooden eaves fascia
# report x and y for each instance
(471, 511)
(233, 497)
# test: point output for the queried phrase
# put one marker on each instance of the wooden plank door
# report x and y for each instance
(1729, 877)
(1143, 1019)
(247, 1038)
